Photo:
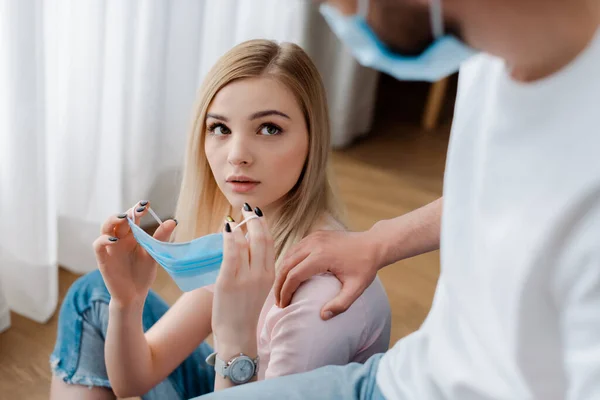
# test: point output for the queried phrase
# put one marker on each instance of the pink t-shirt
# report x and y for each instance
(295, 339)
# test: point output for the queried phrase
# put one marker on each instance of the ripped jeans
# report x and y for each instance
(78, 356)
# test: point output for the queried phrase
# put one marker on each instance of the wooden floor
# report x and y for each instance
(395, 170)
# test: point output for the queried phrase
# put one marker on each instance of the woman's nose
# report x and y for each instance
(239, 151)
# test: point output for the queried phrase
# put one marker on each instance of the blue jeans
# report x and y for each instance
(349, 382)
(78, 356)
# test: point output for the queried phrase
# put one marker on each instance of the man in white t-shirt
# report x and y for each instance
(516, 314)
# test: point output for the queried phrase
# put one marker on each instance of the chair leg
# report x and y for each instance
(435, 100)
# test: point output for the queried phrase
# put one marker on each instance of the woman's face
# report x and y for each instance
(256, 142)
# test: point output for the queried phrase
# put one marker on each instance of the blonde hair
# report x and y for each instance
(202, 207)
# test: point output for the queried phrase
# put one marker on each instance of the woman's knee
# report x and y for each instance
(84, 292)
(88, 298)
(78, 353)
(87, 289)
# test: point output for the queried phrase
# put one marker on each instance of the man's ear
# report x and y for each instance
(346, 7)
(420, 2)
(403, 25)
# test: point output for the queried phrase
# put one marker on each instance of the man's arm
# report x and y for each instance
(408, 235)
(355, 257)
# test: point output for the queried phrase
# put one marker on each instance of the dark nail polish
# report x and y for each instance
(143, 203)
(176, 222)
(247, 207)
(112, 239)
(258, 212)
(227, 227)
(140, 209)
(230, 219)
(122, 215)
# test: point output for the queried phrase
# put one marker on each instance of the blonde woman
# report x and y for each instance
(258, 147)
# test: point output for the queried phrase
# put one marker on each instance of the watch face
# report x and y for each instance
(241, 370)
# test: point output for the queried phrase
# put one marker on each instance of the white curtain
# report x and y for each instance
(95, 102)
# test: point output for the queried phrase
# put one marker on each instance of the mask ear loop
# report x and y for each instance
(436, 18)
(245, 221)
(363, 8)
(150, 210)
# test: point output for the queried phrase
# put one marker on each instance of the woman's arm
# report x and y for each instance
(135, 361)
(300, 341)
(243, 284)
(246, 345)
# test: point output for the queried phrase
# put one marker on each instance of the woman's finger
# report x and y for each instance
(242, 248)
(101, 245)
(113, 224)
(231, 257)
(269, 263)
(256, 237)
(164, 230)
(140, 210)
(123, 229)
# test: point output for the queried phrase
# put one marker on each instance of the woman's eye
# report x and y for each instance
(270, 130)
(219, 129)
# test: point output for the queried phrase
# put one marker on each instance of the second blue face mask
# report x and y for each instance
(192, 264)
(443, 57)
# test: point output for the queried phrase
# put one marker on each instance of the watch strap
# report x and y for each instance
(221, 366)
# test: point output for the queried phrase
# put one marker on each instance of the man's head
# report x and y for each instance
(405, 39)
(401, 24)
(526, 33)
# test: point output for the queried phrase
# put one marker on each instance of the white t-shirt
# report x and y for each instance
(516, 314)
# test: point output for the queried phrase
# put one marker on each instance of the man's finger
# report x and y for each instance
(303, 272)
(289, 262)
(340, 303)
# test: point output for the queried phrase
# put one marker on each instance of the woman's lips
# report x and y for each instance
(242, 187)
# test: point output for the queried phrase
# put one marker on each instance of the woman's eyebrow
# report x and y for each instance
(217, 116)
(265, 113)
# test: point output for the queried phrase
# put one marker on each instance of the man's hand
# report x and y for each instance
(351, 256)
(355, 257)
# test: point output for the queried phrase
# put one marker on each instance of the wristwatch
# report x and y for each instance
(239, 369)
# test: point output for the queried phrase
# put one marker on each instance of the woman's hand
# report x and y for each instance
(127, 269)
(244, 282)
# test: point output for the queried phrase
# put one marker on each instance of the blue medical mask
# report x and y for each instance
(442, 57)
(192, 264)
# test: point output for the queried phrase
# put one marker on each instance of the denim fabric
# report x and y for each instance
(78, 356)
(349, 382)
